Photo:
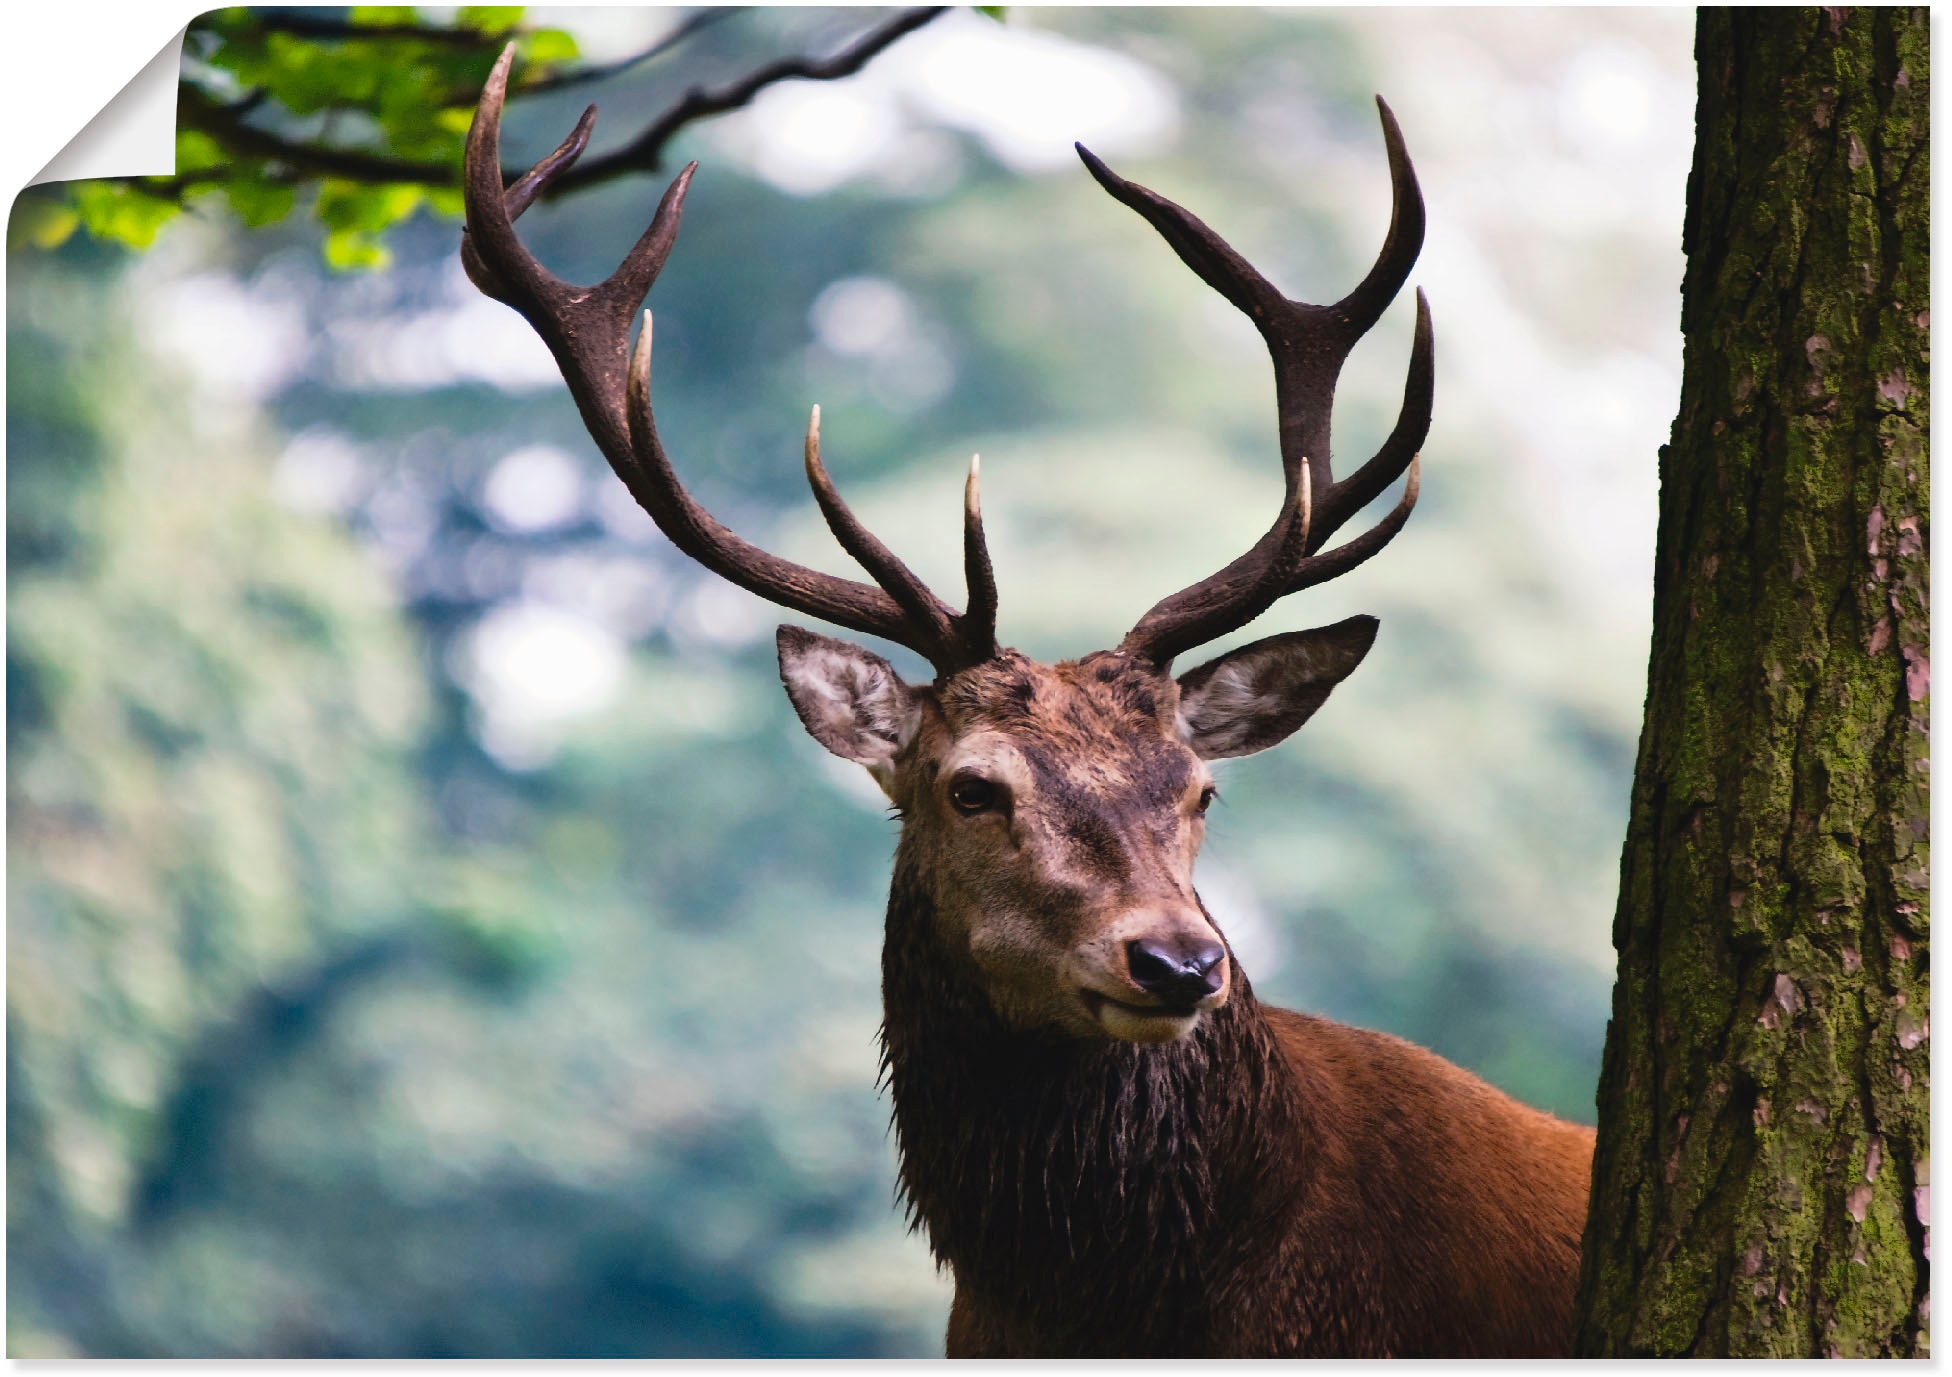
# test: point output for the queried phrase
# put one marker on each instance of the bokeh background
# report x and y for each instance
(429, 930)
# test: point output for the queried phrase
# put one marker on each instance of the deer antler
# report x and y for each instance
(1309, 345)
(587, 329)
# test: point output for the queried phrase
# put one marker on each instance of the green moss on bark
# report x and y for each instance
(1762, 1178)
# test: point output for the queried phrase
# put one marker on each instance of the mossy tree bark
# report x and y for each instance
(1762, 1180)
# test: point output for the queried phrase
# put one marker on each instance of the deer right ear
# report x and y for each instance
(1256, 696)
(849, 699)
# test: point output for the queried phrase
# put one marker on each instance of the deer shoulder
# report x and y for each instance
(1475, 1201)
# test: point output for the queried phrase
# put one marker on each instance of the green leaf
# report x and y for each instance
(197, 152)
(259, 203)
(356, 251)
(391, 94)
(344, 205)
(993, 11)
(42, 218)
(548, 45)
(307, 77)
(118, 211)
(488, 19)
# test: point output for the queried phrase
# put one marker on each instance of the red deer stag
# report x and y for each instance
(1114, 1146)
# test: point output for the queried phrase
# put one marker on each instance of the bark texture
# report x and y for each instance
(1761, 1185)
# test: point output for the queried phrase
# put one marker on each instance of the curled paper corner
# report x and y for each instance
(134, 134)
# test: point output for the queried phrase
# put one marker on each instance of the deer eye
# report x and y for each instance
(974, 794)
(1207, 795)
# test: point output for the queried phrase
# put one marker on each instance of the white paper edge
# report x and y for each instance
(134, 135)
(71, 61)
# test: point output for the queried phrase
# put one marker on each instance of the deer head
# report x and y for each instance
(1051, 812)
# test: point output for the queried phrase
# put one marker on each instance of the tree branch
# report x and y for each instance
(696, 24)
(646, 151)
(225, 122)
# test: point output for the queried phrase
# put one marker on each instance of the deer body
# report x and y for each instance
(1114, 1146)
(1278, 1185)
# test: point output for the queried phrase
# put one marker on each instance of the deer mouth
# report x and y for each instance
(1142, 1022)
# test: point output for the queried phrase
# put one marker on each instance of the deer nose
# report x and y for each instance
(1178, 972)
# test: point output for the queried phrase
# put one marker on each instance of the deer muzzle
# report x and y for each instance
(1155, 975)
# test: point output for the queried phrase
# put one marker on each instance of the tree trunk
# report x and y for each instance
(1761, 1185)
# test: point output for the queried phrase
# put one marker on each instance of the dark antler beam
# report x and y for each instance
(587, 330)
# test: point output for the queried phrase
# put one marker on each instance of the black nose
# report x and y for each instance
(1176, 973)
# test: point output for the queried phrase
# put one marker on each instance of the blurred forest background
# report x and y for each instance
(429, 930)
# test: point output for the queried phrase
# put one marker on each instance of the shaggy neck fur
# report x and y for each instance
(1082, 1185)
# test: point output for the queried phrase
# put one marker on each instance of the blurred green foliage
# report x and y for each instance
(210, 708)
(332, 1031)
(363, 111)
(275, 101)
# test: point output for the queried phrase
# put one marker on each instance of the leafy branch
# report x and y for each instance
(372, 110)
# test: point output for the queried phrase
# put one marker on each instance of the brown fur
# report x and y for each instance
(1271, 1184)
(1274, 1185)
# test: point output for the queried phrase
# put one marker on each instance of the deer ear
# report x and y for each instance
(849, 699)
(1256, 696)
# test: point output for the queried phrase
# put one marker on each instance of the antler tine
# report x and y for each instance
(522, 194)
(490, 250)
(1364, 306)
(1346, 556)
(1233, 597)
(625, 289)
(1204, 612)
(531, 184)
(1359, 489)
(922, 606)
(1205, 252)
(700, 535)
(588, 332)
(1308, 345)
(978, 621)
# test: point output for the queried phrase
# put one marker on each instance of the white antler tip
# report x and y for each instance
(816, 472)
(640, 354)
(502, 65)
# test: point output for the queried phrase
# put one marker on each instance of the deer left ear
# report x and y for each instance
(849, 699)
(1256, 696)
